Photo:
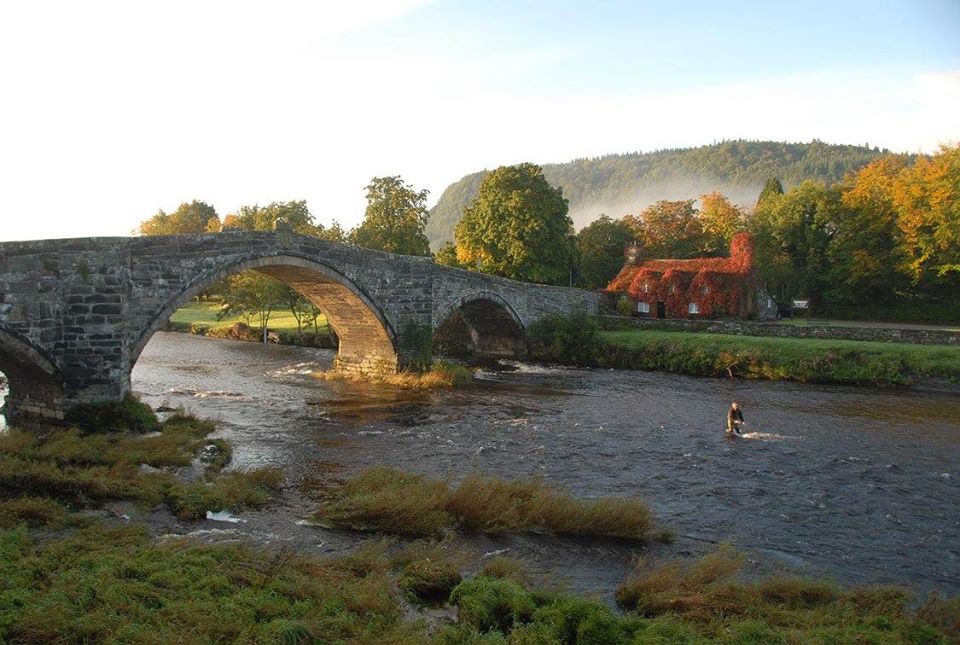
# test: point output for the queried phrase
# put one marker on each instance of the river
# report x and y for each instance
(860, 485)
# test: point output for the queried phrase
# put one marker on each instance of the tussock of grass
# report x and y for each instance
(387, 500)
(440, 375)
(429, 571)
(505, 568)
(704, 600)
(128, 415)
(34, 511)
(233, 491)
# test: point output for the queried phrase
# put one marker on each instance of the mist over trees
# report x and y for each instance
(627, 183)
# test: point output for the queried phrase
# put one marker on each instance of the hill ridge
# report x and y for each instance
(626, 182)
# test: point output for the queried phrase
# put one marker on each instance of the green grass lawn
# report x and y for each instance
(799, 359)
(829, 322)
(205, 313)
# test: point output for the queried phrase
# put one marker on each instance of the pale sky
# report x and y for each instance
(110, 111)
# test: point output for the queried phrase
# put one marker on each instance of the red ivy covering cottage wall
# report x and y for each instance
(651, 280)
(673, 293)
(718, 286)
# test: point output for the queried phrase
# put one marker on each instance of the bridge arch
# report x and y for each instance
(367, 338)
(34, 382)
(480, 323)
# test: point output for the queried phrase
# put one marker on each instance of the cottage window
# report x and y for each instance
(646, 287)
(643, 307)
(694, 309)
(706, 289)
(673, 289)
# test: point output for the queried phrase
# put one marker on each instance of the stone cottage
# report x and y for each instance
(695, 288)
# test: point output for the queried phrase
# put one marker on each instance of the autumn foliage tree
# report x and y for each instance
(190, 218)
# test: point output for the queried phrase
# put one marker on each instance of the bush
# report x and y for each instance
(129, 414)
(568, 340)
(625, 306)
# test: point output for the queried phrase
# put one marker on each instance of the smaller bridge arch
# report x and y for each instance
(480, 323)
(34, 382)
(367, 339)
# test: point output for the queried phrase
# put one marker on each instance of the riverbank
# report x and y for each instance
(790, 359)
(74, 572)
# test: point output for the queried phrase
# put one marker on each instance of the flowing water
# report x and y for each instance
(857, 484)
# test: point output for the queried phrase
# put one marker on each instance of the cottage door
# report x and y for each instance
(661, 310)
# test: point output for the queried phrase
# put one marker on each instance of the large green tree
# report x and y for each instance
(518, 227)
(395, 218)
(190, 218)
(600, 246)
(793, 235)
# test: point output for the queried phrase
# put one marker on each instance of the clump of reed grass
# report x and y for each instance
(441, 374)
(387, 500)
(34, 511)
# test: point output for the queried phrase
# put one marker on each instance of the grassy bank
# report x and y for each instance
(387, 500)
(794, 359)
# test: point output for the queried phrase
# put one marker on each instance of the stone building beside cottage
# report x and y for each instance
(695, 288)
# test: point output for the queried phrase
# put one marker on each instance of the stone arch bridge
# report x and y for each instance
(75, 314)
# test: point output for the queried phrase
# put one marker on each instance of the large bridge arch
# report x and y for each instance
(34, 382)
(479, 323)
(368, 340)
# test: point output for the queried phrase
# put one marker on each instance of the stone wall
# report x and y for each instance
(745, 328)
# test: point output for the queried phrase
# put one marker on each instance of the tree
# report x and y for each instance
(253, 295)
(262, 218)
(601, 251)
(721, 220)
(869, 263)
(518, 227)
(793, 232)
(669, 229)
(447, 256)
(395, 218)
(334, 233)
(771, 188)
(927, 199)
(189, 219)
